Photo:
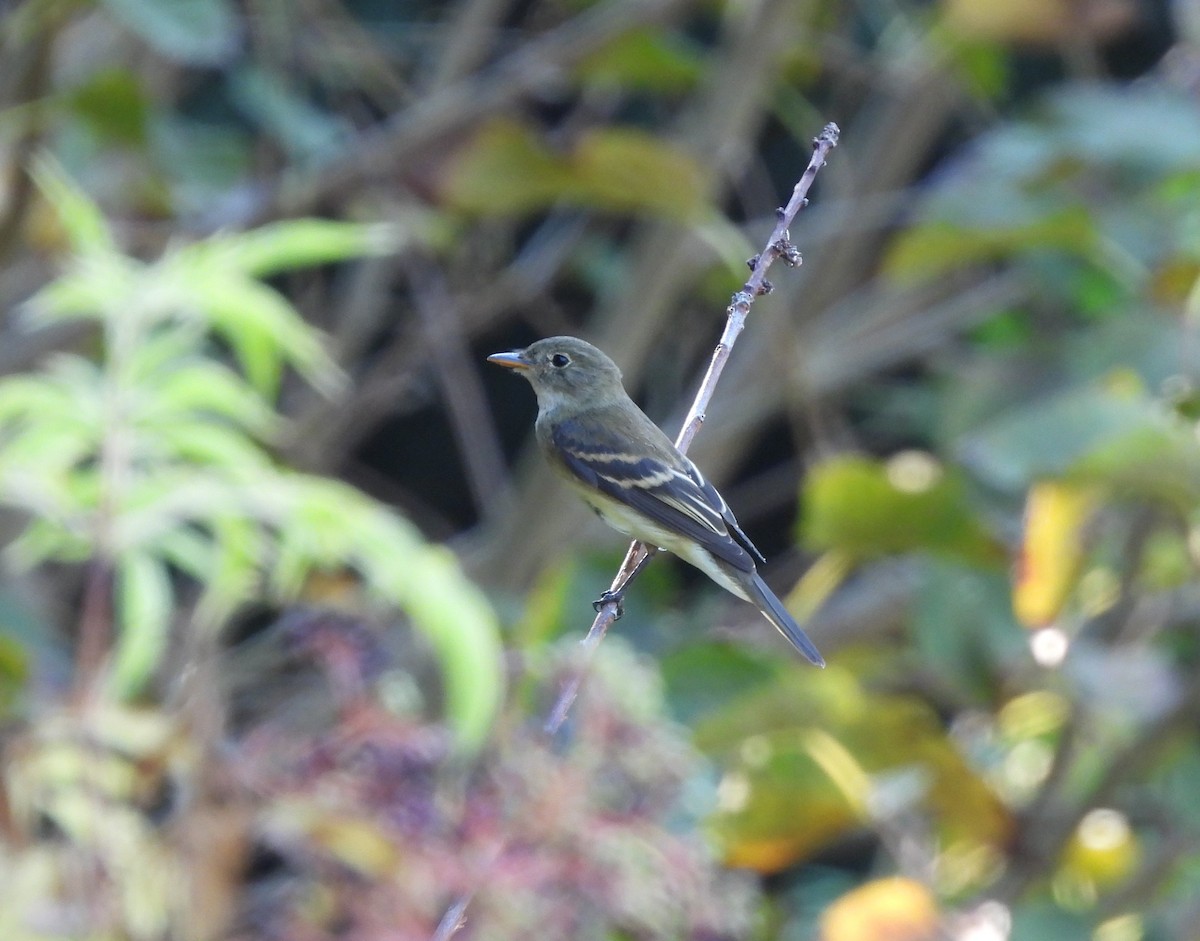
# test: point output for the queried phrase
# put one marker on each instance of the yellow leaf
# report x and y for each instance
(894, 909)
(358, 844)
(1056, 513)
(1104, 849)
(766, 855)
(821, 580)
(803, 755)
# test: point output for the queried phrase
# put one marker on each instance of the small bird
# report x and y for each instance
(633, 476)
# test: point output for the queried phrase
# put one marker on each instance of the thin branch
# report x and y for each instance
(778, 246)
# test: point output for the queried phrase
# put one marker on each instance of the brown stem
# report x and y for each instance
(95, 625)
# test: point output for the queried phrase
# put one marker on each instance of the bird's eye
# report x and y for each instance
(559, 360)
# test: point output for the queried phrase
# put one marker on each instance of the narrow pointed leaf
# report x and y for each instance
(143, 605)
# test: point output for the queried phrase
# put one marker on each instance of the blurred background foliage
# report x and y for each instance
(286, 593)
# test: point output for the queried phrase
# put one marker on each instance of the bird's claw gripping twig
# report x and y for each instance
(608, 596)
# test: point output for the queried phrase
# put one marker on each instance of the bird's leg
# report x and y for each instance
(617, 595)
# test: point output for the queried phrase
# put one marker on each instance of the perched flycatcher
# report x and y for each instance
(632, 474)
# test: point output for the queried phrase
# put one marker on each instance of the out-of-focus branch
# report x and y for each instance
(460, 385)
(325, 432)
(471, 26)
(778, 246)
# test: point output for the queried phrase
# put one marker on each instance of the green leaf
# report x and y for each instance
(324, 523)
(1152, 128)
(644, 59)
(869, 508)
(164, 349)
(214, 446)
(700, 678)
(198, 32)
(204, 387)
(623, 170)
(507, 168)
(264, 330)
(48, 450)
(935, 248)
(202, 162)
(426, 581)
(1049, 437)
(45, 540)
(113, 105)
(1039, 920)
(173, 497)
(143, 613)
(1160, 461)
(238, 547)
(187, 549)
(85, 225)
(50, 423)
(456, 619)
(95, 286)
(302, 243)
(33, 396)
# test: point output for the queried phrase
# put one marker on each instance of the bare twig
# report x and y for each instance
(778, 246)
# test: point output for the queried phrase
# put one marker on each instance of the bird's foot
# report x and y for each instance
(611, 597)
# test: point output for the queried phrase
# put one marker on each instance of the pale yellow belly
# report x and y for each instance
(636, 526)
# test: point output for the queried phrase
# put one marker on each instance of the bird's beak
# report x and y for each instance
(514, 359)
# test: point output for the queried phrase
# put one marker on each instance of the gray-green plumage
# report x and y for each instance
(634, 477)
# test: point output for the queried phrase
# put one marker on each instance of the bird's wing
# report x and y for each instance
(665, 486)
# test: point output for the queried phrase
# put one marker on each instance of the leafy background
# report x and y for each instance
(286, 593)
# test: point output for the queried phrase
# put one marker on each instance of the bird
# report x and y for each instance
(634, 477)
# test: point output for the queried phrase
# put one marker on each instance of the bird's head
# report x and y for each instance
(564, 370)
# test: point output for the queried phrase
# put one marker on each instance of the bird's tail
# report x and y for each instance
(775, 612)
